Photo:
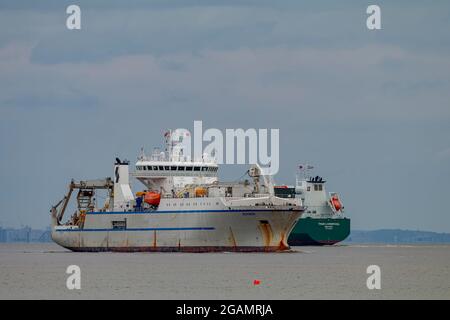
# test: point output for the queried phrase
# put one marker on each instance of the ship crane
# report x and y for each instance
(255, 172)
(85, 191)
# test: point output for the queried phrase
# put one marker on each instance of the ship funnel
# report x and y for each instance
(123, 196)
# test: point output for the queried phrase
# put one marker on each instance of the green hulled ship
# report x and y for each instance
(319, 231)
(323, 222)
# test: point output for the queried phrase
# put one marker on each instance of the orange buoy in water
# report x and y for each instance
(152, 198)
(336, 203)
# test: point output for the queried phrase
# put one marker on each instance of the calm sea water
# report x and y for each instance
(37, 271)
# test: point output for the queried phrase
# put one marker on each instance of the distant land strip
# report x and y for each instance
(390, 236)
(396, 236)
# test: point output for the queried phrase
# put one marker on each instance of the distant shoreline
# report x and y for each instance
(397, 236)
(381, 236)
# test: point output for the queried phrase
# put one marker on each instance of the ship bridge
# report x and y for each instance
(161, 169)
(173, 169)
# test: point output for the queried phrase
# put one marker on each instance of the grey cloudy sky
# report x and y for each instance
(370, 109)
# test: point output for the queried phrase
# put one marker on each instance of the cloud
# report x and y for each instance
(316, 80)
(443, 155)
(365, 108)
(157, 29)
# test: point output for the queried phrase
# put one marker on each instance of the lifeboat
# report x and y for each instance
(336, 203)
(200, 192)
(152, 198)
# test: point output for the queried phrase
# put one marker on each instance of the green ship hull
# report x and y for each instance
(319, 231)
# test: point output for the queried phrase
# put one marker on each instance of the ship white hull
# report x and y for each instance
(241, 229)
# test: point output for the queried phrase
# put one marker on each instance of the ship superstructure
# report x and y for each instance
(183, 208)
(172, 169)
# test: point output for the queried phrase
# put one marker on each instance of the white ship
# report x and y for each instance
(183, 208)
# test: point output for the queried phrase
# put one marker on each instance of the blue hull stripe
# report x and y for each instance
(190, 211)
(137, 229)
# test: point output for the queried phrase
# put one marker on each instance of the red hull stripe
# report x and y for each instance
(198, 249)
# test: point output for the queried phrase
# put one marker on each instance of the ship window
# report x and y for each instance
(155, 168)
(204, 168)
(316, 187)
(320, 187)
(308, 189)
(173, 168)
(149, 167)
(188, 168)
(161, 168)
(180, 168)
(166, 168)
(196, 168)
(119, 225)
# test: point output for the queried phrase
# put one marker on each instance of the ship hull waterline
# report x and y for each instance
(184, 231)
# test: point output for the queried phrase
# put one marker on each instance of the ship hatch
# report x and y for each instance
(119, 225)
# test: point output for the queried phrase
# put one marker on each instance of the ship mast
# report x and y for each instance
(304, 171)
(169, 144)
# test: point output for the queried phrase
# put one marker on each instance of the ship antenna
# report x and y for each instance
(304, 170)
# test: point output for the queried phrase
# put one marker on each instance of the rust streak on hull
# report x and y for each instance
(267, 233)
(283, 243)
(232, 238)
